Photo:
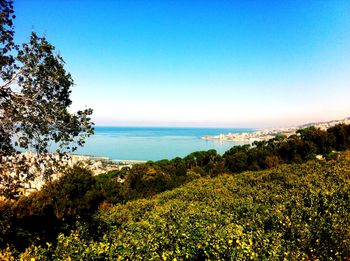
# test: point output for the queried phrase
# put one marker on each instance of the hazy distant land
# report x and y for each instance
(266, 134)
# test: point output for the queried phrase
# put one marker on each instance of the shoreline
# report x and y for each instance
(266, 134)
(250, 137)
(105, 158)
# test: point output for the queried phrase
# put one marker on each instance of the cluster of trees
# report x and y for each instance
(306, 144)
(40, 216)
(298, 148)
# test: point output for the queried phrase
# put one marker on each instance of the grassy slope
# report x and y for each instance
(292, 211)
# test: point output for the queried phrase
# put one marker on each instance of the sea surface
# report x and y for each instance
(153, 143)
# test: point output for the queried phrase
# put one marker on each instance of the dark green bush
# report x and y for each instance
(40, 216)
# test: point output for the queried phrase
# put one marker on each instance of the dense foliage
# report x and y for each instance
(42, 215)
(292, 211)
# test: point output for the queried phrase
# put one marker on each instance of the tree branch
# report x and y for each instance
(12, 79)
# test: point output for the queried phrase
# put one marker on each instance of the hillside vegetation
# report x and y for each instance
(293, 211)
(289, 205)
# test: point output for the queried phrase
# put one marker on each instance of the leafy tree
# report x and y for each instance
(144, 180)
(180, 167)
(321, 139)
(237, 158)
(34, 100)
(109, 187)
(237, 162)
(340, 136)
(6, 39)
(72, 196)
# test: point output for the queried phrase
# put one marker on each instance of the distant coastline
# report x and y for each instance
(266, 134)
(250, 137)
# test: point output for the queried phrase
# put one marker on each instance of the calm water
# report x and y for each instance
(151, 143)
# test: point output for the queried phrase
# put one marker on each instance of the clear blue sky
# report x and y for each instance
(200, 63)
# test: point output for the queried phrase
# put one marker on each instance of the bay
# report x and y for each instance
(153, 143)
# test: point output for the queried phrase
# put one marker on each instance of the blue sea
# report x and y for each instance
(153, 143)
